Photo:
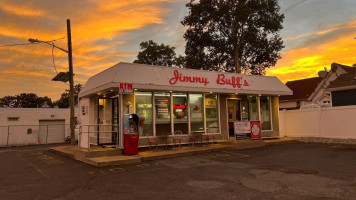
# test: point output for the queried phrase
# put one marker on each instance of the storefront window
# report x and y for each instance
(163, 113)
(144, 112)
(265, 113)
(196, 112)
(253, 108)
(211, 110)
(180, 112)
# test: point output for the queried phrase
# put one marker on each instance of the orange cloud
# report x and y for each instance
(332, 45)
(21, 10)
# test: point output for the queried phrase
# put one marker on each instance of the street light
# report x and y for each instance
(71, 84)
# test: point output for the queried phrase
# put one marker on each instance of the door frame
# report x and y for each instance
(117, 99)
(227, 114)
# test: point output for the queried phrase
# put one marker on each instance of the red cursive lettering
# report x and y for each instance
(179, 77)
(234, 81)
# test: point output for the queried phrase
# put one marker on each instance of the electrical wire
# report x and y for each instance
(54, 64)
(21, 44)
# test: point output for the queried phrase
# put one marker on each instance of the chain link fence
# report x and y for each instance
(22, 135)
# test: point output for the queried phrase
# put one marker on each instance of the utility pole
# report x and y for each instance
(71, 84)
(69, 77)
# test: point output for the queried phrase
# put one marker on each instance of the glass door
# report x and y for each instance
(108, 120)
(234, 114)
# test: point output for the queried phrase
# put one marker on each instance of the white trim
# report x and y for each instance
(153, 114)
(188, 107)
(204, 113)
(171, 114)
(341, 88)
(219, 122)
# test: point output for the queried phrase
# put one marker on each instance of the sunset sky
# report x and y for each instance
(316, 33)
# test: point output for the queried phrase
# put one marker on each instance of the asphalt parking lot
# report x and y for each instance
(289, 171)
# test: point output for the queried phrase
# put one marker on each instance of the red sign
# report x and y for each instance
(125, 88)
(234, 81)
(178, 106)
(192, 79)
(255, 130)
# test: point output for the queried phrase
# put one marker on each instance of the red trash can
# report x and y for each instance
(131, 144)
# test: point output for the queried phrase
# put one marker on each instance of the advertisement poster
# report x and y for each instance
(162, 108)
(210, 103)
(242, 127)
(255, 130)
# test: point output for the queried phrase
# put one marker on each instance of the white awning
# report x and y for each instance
(164, 78)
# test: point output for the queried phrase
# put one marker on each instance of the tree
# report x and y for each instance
(26, 100)
(63, 102)
(154, 54)
(231, 35)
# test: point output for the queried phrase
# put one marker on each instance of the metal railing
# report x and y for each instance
(22, 135)
(98, 134)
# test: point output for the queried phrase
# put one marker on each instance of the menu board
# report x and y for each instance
(162, 106)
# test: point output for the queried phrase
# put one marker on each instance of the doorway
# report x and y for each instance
(108, 121)
(234, 114)
(238, 110)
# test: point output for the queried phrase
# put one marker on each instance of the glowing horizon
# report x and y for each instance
(109, 31)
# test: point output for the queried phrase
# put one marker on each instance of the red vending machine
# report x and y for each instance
(131, 135)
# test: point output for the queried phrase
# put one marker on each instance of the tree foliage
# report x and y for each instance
(153, 54)
(63, 102)
(26, 100)
(233, 35)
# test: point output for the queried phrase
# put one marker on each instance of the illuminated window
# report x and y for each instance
(144, 112)
(163, 113)
(212, 115)
(180, 112)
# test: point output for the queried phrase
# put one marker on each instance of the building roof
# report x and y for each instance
(348, 69)
(343, 81)
(302, 89)
(164, 78)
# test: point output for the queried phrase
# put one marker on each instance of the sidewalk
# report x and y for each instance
(102, 157)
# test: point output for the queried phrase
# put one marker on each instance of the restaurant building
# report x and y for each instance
(171, 101)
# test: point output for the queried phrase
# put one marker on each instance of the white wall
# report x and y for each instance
(333, 122)
(28, 119)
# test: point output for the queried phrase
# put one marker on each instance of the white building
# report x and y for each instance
(171, 100)
(23, 126)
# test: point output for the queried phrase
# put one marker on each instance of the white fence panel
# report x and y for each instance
(335, 122)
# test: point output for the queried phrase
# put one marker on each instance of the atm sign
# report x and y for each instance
(125, 88)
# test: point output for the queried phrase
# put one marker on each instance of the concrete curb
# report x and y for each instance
(115, 160)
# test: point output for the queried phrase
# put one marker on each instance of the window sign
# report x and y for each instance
(125, 88)
(196, 112)
(211, 110)
(163, 113)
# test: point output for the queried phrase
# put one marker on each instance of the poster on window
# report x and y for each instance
(210, 103)
(255, 130)
(162, 108)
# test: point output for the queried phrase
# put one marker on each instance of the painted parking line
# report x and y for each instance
(142, 165)
(32, 165)
(49, 160)
(96, 172)
(117, 169)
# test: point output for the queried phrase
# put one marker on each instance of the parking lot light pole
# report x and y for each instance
(71, 84)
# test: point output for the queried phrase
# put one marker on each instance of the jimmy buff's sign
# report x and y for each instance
(125, 88)
(221, 79)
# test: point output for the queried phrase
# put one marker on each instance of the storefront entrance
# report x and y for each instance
(108, 121)
(238, 110)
